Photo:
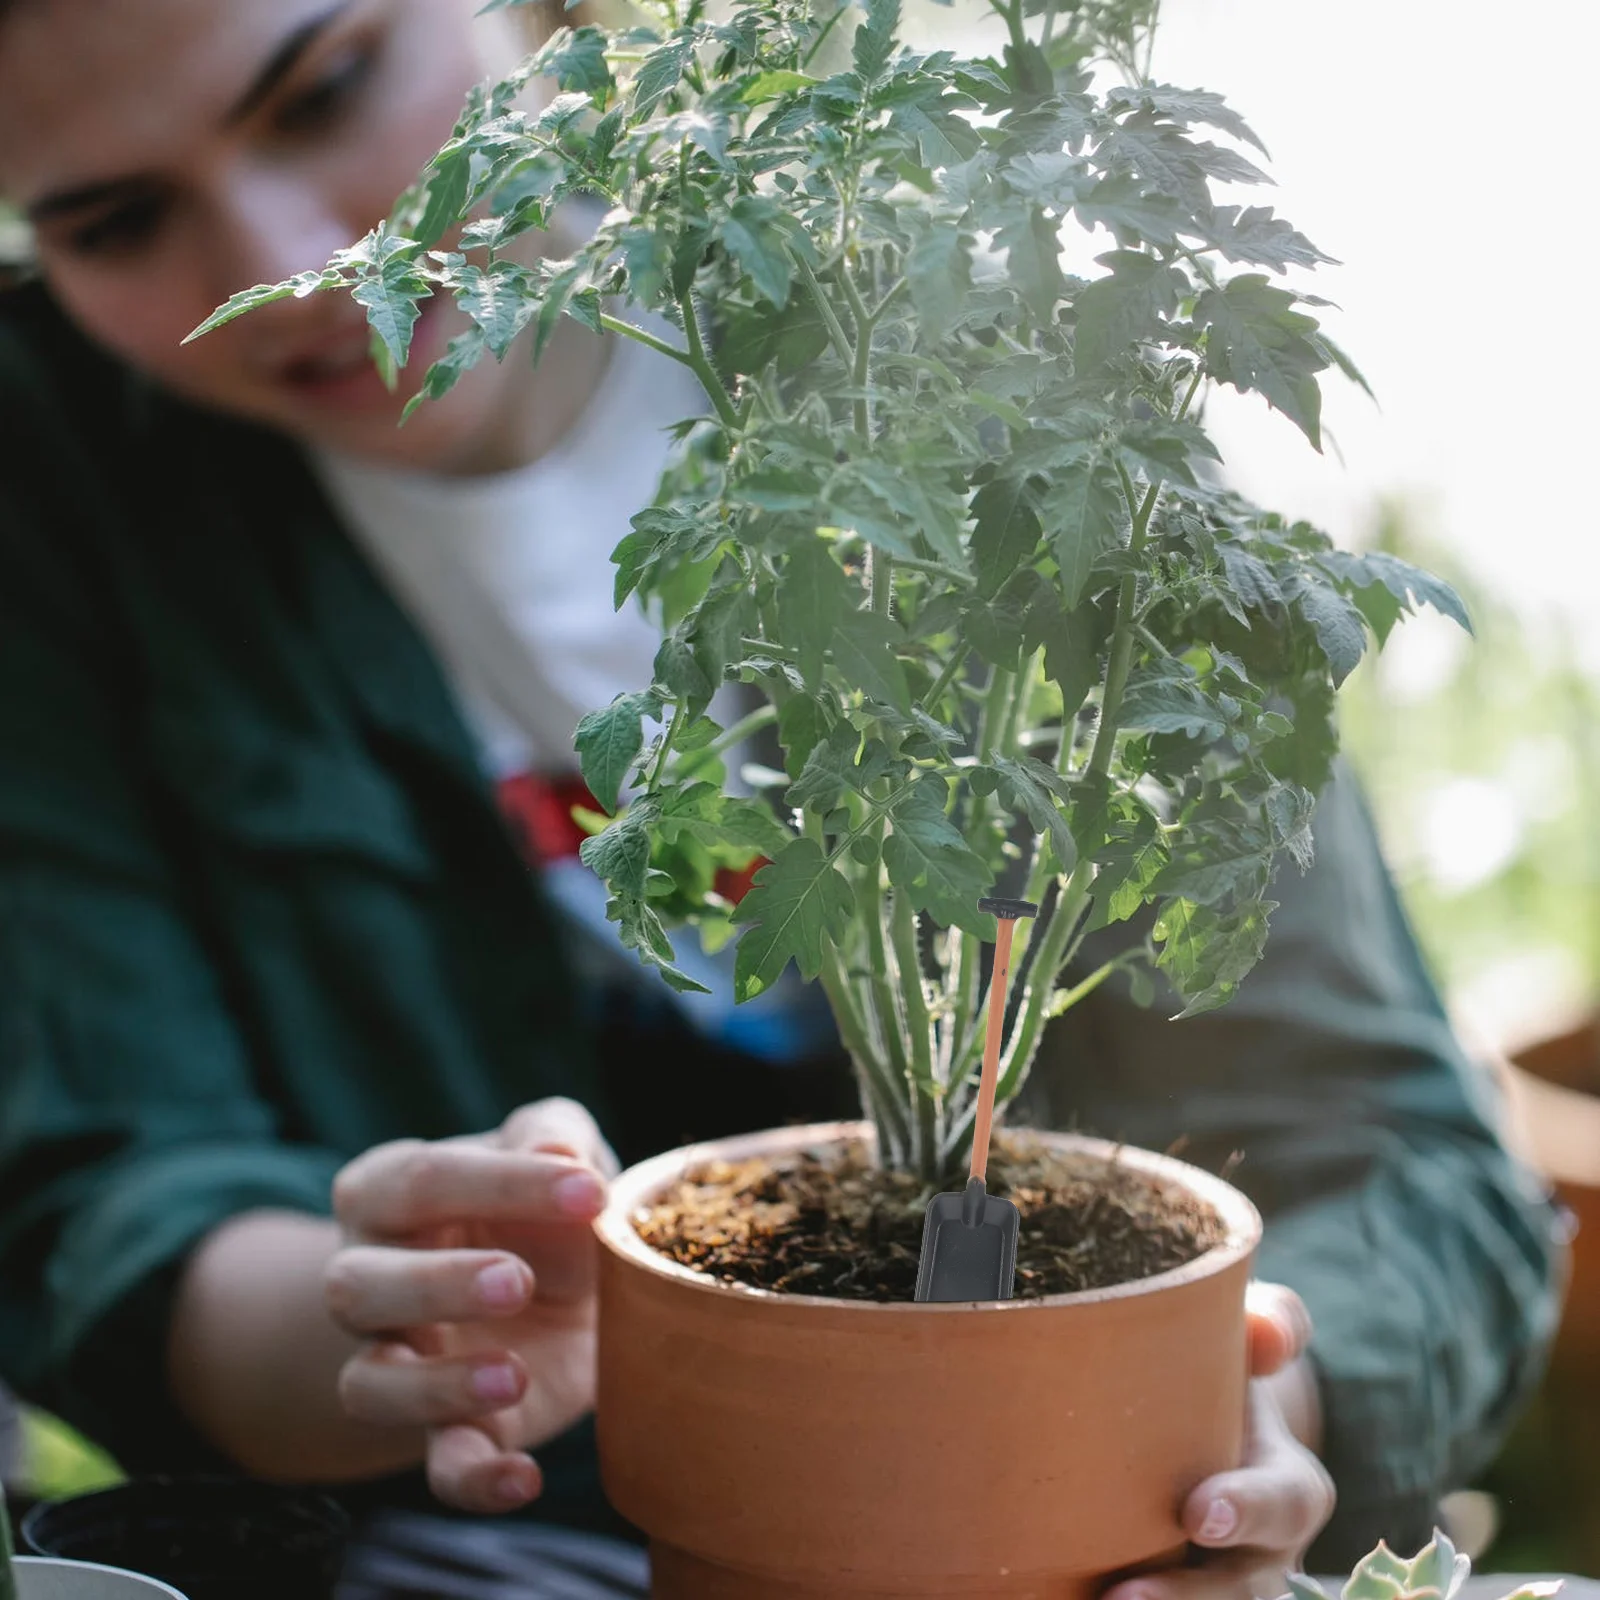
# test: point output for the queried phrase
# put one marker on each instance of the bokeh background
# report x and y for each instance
(1444, 151)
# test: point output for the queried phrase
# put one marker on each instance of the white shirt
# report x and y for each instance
(509, 576)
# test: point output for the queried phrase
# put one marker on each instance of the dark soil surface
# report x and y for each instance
(827, 1223)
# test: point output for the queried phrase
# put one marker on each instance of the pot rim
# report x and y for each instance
(639, 1183)
(152, 1586)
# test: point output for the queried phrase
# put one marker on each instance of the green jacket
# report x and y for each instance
(258, 913)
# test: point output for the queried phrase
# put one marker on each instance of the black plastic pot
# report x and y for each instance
(212, 1538)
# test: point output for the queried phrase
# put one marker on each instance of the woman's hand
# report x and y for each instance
(1252, 1525)
(468, 1269)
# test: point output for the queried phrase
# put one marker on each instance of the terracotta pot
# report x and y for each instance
(788, 1447)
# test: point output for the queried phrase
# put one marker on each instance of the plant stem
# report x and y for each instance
(908, 952)
(629, 330)
(674, 727)
(836, 334)
(881, 974)
(881, 1093)
(703, 370)
(734, 734)
(821, 38)
(930, 701)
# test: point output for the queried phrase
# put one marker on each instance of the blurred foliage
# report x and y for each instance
(58, 1461)
(1482, 760)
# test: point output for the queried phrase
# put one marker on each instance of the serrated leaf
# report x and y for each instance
(939, 274)
(754, 234)
(1005, 532)
(1029, 786)
(446, 195)
(460, 356)
(1159, 702)
(266, 294)
(812, 598)
(609, 741)
(864, 645)
(576, 59)
(929, 861)
(621, 855)
(798, 902)
(1126, 305)
(1084, 514)
(828, 770)
(1257, 236)
(640, 930)
(1185, 106)
(1336, 622)
(1205, 955)
(1257, 340)
(875, 37)
(499, 299)
(661, 73)
(1410, 586)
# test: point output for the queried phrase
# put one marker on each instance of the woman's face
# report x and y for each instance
(171, 152)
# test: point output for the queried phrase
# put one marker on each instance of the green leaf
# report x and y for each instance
(754, 234)
(499, 299)
(812, 599)
(609, 741)
(641, 931)
(1335, 620)
(1125, 307)
(447, 180)
(798, 902)
(460, 356)
(1185, 106)
(1256, 339)
(1409, 585)
(671, 536)
(576, 60)
(661, 73)
(1084, 515)
(875, 38)
(802, 726)
(265, 294)
(1128, 863)
(939, 274)
(621, 855)
(929, 861)
(1005, 533)
(864, 645)
(828, 771)
(774, 85)
(1206, 955)
(1256, 236)
(1162, 701)
(1030, 786)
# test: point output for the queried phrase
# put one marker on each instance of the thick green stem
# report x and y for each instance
(703, 370)
(882, 976)
(836, 334)
(628, 330)
(882, 1096)
(908, 953)
(733, 735)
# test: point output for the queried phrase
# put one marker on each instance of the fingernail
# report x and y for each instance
(501, 1285)
(499, 1385)
(1221, 1520)
(579, 1194)
(511, 1489)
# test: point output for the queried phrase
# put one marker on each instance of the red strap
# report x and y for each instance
(538, 809)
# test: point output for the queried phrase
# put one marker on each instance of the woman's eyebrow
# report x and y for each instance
(278, 66)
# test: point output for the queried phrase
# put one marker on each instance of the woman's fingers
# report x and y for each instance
(410, 1186)
(559, 1125)
(374, 1289)
(467, 1469)
(1279, 1327)
(1278, 1500)
(391, 1384)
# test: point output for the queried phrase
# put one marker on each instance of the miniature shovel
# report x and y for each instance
(969, 1238)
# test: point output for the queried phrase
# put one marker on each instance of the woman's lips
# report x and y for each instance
(341, 374)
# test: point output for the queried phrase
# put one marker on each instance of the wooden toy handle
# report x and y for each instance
(991, 1047)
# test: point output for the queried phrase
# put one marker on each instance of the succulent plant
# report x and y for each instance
(1435, 1572)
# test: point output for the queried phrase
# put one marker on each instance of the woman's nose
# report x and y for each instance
(272, 226)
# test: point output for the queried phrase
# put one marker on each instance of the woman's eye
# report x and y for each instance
(329, 97)
(123, 228)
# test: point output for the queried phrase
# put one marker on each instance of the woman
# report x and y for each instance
(266, 951)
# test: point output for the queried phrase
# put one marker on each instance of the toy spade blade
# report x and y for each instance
(969, 1239)
(969, 1246)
